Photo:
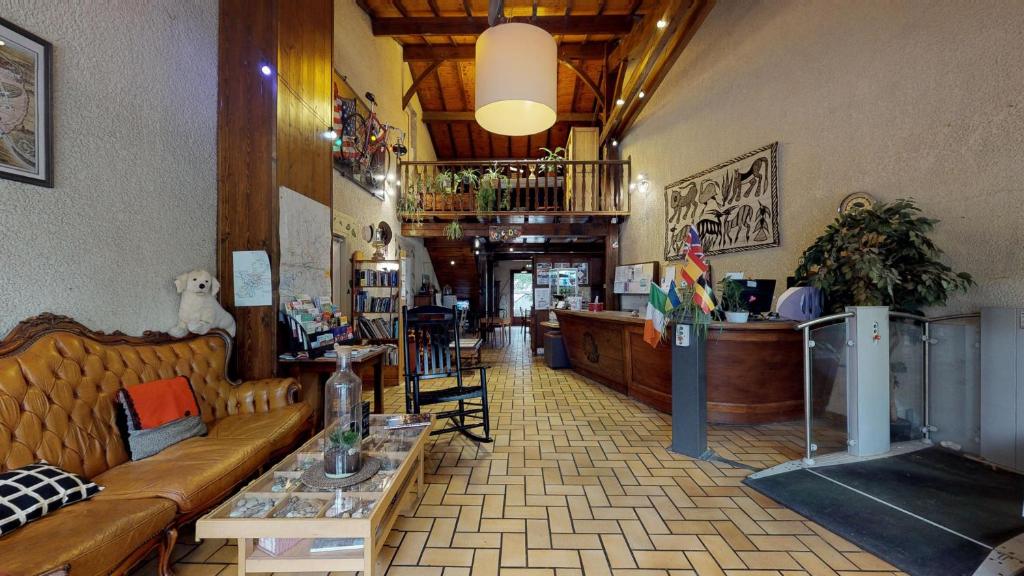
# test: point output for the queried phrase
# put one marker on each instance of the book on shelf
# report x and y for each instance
(377, 328)
(366, 303)
(382, 278)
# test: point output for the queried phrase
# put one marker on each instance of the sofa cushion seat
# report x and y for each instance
(193, 473)
(279, 428)
(92, 536)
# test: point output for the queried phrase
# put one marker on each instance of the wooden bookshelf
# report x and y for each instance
(392, 290)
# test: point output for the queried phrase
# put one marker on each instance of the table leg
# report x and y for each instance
(378, 385)
(245, 547)
(369, 557)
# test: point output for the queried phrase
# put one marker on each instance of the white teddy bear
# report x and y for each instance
(200, 312)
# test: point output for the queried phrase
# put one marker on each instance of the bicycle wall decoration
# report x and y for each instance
(366, 148)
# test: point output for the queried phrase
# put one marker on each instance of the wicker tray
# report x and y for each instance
(314, 476)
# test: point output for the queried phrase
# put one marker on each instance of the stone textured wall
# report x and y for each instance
(135, 149)
(894, 98)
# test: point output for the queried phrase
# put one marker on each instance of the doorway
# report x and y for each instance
(522, 295)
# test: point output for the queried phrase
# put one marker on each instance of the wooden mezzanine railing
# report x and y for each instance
(502, 187)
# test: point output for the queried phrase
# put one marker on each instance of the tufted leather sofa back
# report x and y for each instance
(57, 394)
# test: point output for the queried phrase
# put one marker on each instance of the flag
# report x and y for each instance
(693, 270)
(655, 319)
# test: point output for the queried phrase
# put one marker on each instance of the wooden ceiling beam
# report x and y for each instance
(469, 229)
(661, 48)
(474, 26)
(433, 116)
(467, 52)
(418, 80)
(586, 80)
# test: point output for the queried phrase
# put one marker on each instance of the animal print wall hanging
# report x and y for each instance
(734, 205)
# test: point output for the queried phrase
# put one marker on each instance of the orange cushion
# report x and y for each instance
(161, 401)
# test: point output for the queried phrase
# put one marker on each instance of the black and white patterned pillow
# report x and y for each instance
(31, 492)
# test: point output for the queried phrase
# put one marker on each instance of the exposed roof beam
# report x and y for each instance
(455, 26)
(586, 80)
(661, 48)
(467, 52)
(416, 82)
(468, 116)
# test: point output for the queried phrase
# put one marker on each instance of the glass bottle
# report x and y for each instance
(343, 419)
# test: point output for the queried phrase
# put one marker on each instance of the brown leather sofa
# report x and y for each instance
(57, 387)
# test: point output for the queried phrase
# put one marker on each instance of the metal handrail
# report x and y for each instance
(926, 338)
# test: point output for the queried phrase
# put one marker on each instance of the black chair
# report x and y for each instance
(431, 352)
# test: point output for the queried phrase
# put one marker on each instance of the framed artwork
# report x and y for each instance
(26, 106)
(734, 206)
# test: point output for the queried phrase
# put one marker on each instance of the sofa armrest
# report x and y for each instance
(261, 396)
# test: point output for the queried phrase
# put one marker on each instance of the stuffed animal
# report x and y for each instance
(200, 311)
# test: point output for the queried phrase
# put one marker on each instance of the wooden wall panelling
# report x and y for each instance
(246, 208)
(266, 137)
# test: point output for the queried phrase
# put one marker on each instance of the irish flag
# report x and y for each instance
(655, 323)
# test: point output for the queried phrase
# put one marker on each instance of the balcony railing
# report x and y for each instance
(503, 187)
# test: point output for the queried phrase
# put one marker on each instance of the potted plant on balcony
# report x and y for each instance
(491, 182)
(466, 180)
(736, 307)
(445, 184)
(553, 157)
(880, 256)
(409, 204)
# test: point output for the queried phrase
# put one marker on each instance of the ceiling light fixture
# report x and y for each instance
(662, 24)
(266, 70)
(453, 262)
(516, 79)
(615, 143)
(642, 94)
(620, 102)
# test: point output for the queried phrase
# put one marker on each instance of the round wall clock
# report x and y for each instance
(856, 201)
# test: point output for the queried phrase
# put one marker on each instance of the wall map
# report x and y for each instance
(734, 205)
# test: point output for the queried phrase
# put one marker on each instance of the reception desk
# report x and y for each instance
(754, 370)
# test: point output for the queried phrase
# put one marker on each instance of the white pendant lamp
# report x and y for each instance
(516, 79)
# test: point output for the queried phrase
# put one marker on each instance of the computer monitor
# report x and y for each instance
(763, 290)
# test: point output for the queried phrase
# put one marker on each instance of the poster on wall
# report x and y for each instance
(582, 273)
(305, 240)
(26, 103)
(543, 273)
(542, 298)
(734, 206)
(251, 278)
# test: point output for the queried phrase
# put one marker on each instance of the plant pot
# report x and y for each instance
(342, 462)
(737, 317)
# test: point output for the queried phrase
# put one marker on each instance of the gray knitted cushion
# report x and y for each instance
(145, 443)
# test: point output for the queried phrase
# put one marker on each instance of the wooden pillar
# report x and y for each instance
(266, 138)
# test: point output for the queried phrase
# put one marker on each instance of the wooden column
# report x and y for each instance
(266, 138)
(611, 260)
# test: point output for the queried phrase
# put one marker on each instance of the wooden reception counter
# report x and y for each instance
(754, 370)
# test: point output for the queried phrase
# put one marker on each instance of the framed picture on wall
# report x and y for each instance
(26, 106)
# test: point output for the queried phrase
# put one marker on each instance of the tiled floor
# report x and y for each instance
(578, 481)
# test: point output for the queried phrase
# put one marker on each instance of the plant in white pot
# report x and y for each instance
(735, 304)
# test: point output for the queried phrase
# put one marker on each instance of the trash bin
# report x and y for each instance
(554, 351)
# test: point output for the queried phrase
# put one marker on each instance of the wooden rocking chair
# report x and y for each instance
(432, 351)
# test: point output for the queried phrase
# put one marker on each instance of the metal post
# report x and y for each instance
(808, 400)
(927, 338)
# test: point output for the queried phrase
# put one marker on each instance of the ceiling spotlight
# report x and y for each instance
(620, 102)
(453, 262)
(511, 249)
(615, 143)
(477, 252)
(2, 43)
(642, 94)
(662, 24)
(266, 70)
(330, 134)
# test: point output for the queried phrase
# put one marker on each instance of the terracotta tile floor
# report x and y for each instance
(578, 481)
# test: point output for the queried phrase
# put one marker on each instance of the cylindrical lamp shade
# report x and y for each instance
(516, 80)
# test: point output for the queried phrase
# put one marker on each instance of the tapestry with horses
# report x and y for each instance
(734, 206)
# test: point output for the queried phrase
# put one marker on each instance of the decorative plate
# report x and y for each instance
(856, 201)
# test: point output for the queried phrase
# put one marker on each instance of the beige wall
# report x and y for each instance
(135, 197)
(895, 98)
(375, 65)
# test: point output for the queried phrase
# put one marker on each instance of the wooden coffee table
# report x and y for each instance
(269, 542)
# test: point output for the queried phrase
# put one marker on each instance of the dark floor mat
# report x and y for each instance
(962, 495)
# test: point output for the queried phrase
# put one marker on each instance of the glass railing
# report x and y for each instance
(906, 379)
(828, 390)
(954, 375)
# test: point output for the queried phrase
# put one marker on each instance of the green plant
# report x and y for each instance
(730, 295)
(468, 177)
(342, 438)
(453, 231)
(445, 182)
(409, 204)
(491, 181)
(689, 312)
(880, 256)
(553, 155)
